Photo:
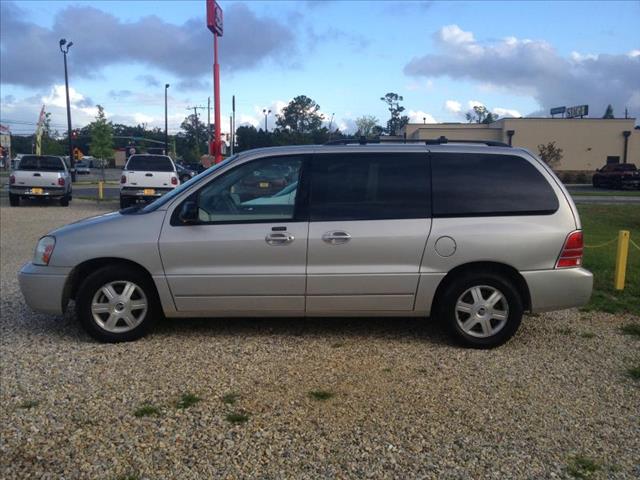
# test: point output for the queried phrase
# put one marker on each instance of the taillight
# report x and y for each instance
(123, 179)
(12, 179)
(61, 181)
(571, 254)
(174, 181)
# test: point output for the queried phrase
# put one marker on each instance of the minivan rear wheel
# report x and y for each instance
(117, 304)
(481, 310)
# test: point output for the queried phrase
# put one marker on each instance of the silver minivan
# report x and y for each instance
(472, 234)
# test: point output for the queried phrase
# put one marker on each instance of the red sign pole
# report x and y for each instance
(214, 23)
(217, 146)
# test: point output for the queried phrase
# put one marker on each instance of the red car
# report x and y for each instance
(617, 175)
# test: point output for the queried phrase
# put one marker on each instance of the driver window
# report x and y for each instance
(260, 190)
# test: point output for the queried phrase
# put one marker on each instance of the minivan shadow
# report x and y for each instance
(397, 328)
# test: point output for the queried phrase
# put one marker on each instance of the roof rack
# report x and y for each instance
(443, 140)
(438, 141)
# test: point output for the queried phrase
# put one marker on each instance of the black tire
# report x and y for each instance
(454, 291)
(595, 182)
(125, 203)
(64, 201)
(14, 200)
(102, 277)
(184, 178)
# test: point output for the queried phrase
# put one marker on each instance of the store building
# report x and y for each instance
(586, 143)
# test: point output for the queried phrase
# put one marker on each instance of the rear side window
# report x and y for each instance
(150, 163)
(42, 163)
(370, 186)
(488, 185)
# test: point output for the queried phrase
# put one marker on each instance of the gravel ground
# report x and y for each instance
(405, 402)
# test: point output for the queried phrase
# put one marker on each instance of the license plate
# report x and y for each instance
(149, 191)
(37, 191)
(264, 184)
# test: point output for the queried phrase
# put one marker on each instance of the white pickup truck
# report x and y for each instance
(40, 176)
(147, 177)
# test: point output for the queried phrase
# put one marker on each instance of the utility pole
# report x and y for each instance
(266, 113)
(166, 121)
(72, 163)
(233, 123)
(209, 144)
(195, 124)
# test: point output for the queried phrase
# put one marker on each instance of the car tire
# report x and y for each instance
(124, 203)
(64, 201)
(117, 304)
(466, 309)
(14, 200)
(595, 182)
(184, 178)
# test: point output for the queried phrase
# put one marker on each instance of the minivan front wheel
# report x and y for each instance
(117, 304)
(482, 310)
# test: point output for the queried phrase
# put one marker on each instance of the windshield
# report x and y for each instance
(150, 163)
(626, 167)
(41, 163)
(163, 200)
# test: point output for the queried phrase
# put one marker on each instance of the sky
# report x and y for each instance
(516, 58)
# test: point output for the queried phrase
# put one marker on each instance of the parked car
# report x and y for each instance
(184, 174)
(82, 168)
(40, 176)
(617, 175)
(471, 234)
(146, 177)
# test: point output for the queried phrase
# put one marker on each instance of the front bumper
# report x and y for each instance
(43, 287)
(558, 289)
(46, 191)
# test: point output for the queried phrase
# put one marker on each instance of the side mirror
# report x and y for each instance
(189, 212)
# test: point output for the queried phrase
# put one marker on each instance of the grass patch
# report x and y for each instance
(601, 223)
(631, 329)
(187, 400)
(27, 404)
(230, 398)
(564, 331)
(634, 373)
(587, 334)
(237, 417)
(582, 467)
(386, 370)
(146, 410)
(129, 477)
(608, 193)
(320, 395)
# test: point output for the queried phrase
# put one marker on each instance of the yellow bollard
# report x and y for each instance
(100, 190)
(621, 259)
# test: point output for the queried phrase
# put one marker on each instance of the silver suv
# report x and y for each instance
(468, 233)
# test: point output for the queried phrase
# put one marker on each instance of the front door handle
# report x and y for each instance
(336, 238)
(279, 238)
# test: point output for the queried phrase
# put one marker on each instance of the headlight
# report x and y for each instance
(44, 250)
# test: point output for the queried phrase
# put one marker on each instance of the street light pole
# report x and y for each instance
(266, 112)
(166, 121)
(65, 50)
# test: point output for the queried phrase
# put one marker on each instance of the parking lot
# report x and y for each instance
(307, 398)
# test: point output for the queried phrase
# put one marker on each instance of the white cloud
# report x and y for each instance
(506, 112)
(474, 103)
(453, 34)
(418, 116)
(453, 106)
(534, 68)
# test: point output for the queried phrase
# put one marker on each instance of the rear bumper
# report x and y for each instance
(46, 191)
(43, 287)
(559, 289)
(131, 192)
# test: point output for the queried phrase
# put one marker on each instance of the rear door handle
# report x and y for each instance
(336, 238)
(279, 238)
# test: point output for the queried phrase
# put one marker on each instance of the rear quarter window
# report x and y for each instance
(488, 185)
(150, 163)
(42, 163)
